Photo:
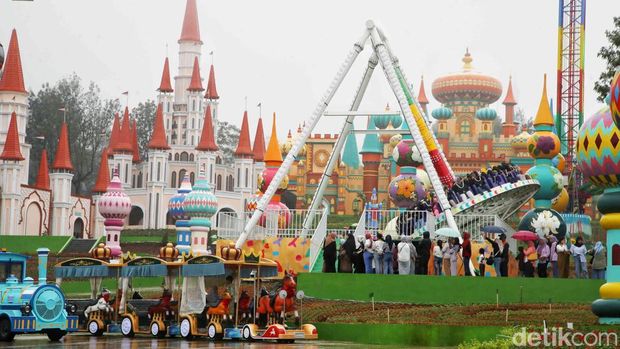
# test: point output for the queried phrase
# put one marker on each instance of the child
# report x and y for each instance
(481, 261)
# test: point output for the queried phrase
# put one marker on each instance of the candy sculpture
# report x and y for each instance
(114, 206)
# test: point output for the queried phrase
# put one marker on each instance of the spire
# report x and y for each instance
(273, 156)
(123, 142)
(371, 140)
(115, 134)
(211, 89)
(244, 149)
(43, 176)
(422, 94)
(191, 29)
(350, 155)
(103, 177)
(62, 160)
(510, 98)
(207, 138)
(196, 82)
(12, 150)
(544, 116)
(134, 142)
(259, 142)
(13, 76)
(467, 61)
(165, 85)
(158, 137)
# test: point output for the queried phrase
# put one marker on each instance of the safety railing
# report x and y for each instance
(280, 223)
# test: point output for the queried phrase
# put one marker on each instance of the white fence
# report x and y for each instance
(272, 223)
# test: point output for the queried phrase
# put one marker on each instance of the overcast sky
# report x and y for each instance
(285, 53)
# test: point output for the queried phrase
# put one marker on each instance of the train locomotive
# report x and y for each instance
(29, 307)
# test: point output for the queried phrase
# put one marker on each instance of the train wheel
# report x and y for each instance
(212, 331)
(94, 328)
(5, 330)
(127, 327)
(55, 335)
(186, 329)
(157, 330)
(246, 333)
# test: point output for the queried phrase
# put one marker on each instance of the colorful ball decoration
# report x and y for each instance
(543, 145)
(406, 190)
(560, 202)
(175, 204)
(265, 178)
(598, 150)
(550, 179)
(407, 154)
(201, 203)
(394, 140)
(614, 99)
(101, 252)
(543, 221)
(114, 206)
(252, 202)
(169, 253)
(276, 213)
(559, 161)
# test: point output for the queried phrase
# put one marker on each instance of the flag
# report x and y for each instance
(125, 93)
(259, 105)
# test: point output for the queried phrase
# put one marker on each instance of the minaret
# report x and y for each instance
(157, 170)
(101, 185)
(190, 47)
(244, 158)
(10, 175)
(14, 98)
(509, 129)
(123, 150)
(60, 178)
(200, 205)
(165, 97)
(177, 211)
(207, 147)
(372, 152)
(194, 107)
(422, 99)
(212, 98)
(259, 152)
(43, 176)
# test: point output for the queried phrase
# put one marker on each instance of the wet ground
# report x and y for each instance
(84, 341)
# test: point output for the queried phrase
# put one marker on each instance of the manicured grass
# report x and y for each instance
(82, 287)
(30, 244)
(133, 238)
(335, 221)
(418, 289)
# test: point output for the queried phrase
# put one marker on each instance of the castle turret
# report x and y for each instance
(509, 129)
(190, 47)
(123, 149)
(157, 170)
(372, 152)
(207, 147)
(43, 175)
(10, 174)
(60, 178)
(244, 158)
(100, 187)
(422, 99)
(194, 107)
(165, 97)
(259, 152)
(212, 98)
(134, 143)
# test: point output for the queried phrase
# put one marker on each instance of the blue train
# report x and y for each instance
(26, 307)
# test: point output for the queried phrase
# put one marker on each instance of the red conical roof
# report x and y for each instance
(62, 160)
(13, 76)
(207, 138)
(196, 83)
(115, 134)
(211, 89)
(158, 137)
(134, 142)
(191, 29)
(43, 176)
(12, 150)
(103, 177)
(244, 148)
(259, 142)
(123, 144)
(510, 98)
(165, 85)
(422, 94)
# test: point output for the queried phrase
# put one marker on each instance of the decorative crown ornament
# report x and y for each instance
(230, 252)
(169, 252)
(251, 258)
(101, 252)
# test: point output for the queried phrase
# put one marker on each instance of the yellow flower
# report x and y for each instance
(405, 188)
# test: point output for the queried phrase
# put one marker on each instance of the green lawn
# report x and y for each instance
(420, 289)
(133, 238)
(29, 244)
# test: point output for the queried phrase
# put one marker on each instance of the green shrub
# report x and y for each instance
(147, 232)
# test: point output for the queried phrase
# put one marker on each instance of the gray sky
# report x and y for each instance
(285, 53)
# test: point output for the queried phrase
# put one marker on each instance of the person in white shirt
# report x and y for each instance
(368, 253)
(578, 250)
(438, 257)
(404, 255)
(378, 254)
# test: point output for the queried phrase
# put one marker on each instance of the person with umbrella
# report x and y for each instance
(529, 252)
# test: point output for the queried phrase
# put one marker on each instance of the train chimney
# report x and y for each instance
(42, 264)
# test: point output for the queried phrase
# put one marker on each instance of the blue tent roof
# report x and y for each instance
(350, 155)
(371, 141)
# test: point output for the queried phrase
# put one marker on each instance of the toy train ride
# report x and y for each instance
(29, 307)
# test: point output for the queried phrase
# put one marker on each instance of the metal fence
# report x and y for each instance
(278, 223)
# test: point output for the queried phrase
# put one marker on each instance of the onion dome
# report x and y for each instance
(614, 96)
(396, 120)
(265, 178)
(276, 214)
(442, 113)
(519, 142)
(381, 121)
(201, 203)
(467, 85)
(486, 114)
(406, 189)
(559, 162)
(175, 204)
(114, 204)
(598, 150)
(169, 253)
(230, 252)
(407, 154)
(252, 202)
(101, 252)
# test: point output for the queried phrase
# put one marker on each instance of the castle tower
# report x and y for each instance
(509, 129)
(485, 138)
(165, 97)
(259, 152)
(244, 159)
(190, 47)
(134, 143)
(101, 185)
(60, 178)
(43, 176)
(422, 99)
(372, 152)
(123, 149)
(207, 147)
(212, 98)
(157, 170)
(14, 98)
(194, 106)
(442, 115)
(10, 174)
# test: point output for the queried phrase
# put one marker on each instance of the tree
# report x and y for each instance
(88, 119)
(227, 139)
(611, 54)
(144, 114)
